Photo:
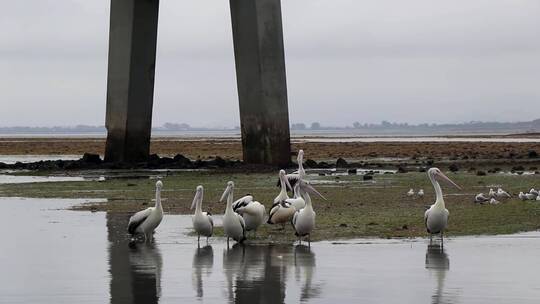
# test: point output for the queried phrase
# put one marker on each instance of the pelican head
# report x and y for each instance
(305, 187)
(300, 155)
(228, 190)
(283, 178)
(159, 185)
(198, 196)
(435, 173)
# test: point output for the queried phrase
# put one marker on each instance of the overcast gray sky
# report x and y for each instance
(347, 60)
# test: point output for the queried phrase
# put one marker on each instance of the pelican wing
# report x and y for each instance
(293, 221)
(293, 178)
(242, 202)
(273, 210)
(137, 219)
(254, 208)
(243, 224)
(210, 219)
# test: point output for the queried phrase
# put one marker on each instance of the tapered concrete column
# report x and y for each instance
(262, 87)
(130, 83)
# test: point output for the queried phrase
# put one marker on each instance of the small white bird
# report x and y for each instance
(252, 211)
(436, 217)
(146, 221)
(481, 198)
(532, 191)
(493, 201)
(538, 198)
(410, 193)
(303, 220)
(281, 211)
(202, 221)
(530, 196)
(233, 224)
(492, 193)
(420, 193)
(297, 201)
(522, 196)
(502, 194)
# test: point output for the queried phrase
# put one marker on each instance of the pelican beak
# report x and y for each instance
(308, 188)
(225, 194)
(287, 183)
(197, 198)
(445, 178)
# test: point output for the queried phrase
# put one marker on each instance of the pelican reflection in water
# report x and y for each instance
(437, 263)
(258, 273)
(135, 268)
(203, 261)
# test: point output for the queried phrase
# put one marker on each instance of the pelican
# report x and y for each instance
(145, 222)
(532, 191)
(298, 174)
(493, 201)
(436, 217)
(303, 220)
(420, 193)
(502, 194)
(522, 196)
(481, 198)
(281, 211)
(202, 221)
(252, 211)
(492, 193)
(233, 223)
(410, 193)
(297, 201)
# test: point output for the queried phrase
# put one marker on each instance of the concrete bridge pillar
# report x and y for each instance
(262, 88)
(130, 83)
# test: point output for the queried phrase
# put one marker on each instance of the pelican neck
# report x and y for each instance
(439, 202)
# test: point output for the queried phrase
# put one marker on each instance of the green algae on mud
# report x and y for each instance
(355, 208)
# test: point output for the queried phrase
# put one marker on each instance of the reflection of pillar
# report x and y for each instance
(260, 75)
(135, 271)
(130, 83)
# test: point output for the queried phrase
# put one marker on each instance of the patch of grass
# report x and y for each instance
(377, 208)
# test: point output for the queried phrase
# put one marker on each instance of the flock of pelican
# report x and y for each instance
(246, 214)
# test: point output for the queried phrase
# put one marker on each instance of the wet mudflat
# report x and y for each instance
(51, 255)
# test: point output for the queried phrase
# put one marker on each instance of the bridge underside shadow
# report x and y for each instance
(260, 70)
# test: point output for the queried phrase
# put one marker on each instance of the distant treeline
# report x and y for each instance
(383, 127)
(473, 126)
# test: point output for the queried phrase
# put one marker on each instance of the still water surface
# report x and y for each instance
(50, 255)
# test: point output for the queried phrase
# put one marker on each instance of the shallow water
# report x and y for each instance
(11, 159)
(52, 255)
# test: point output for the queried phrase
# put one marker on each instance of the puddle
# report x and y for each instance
(22, 179)
(58, 256)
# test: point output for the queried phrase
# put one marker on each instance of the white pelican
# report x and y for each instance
(420, 193)
(303, 220)
(281, 211)
(297, 201)
(145, 222)
(202, 221)
(436, 217)
(493, 201)
(252, 211)
(492, 193)
(532, 191)
(233, 223)
(481, 198)
(298, 174)
(410, 193)
(502, 194)
(522, 196)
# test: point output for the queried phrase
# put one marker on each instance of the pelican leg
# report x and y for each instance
(198, 239)
(442, 240)
(207, 240)
(309, 240)
(430, 238)
(227, 242)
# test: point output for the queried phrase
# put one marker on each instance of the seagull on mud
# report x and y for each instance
(410, 193)
(502, 194)
(436, 217)
(493, 201)
(420, 193)
(146, 221)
